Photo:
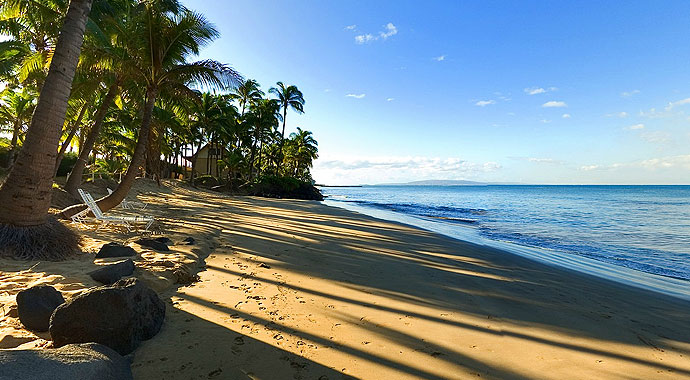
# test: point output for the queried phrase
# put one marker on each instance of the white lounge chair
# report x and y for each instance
(129, 205)
(126, 221)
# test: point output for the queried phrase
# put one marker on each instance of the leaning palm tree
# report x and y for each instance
(26, 232)
(164, 36)
(107, 61)
(289, 97)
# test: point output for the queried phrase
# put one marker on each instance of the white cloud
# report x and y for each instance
(390, 99)
(635, 127)
(484, 103)
(566, 116)
(539, 90)
(351, 27)
(588, 168)
(656, 137)
(389, 30)
(356, 170)
(538, 160)
(669, 162)
(545, 121)
(654, 114)
(554, 103)
(440, 58)
(627, 94)
(364, 38)
(677, 103)
(327, 90)
(622, 115)
(542, 160)
(356, 96)
(535, 91)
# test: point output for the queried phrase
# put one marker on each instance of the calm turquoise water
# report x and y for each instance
(646, 228)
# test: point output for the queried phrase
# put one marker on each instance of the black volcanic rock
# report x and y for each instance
(88, 361)
(35, 305)
(119, 316)
(115, 250)
(154, 244)
(109, 274)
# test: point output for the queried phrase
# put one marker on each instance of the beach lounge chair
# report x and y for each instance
(125, 221)
(129, 205)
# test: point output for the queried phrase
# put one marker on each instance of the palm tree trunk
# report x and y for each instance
(134, 168)
(279, 164)
(15, 138)
(75, 177)
(26, 194)
(191, 181)
(282, 135)
(69, 138)
(138, 157)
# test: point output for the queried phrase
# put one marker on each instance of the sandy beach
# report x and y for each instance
(298, 290)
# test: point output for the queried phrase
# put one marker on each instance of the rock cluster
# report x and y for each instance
(119, 316)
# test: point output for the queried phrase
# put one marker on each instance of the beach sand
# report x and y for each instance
(299, 290)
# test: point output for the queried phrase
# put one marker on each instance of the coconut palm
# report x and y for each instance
(247, 93)
(15, 115)
(32, 24)
(25, 230)
(163, 37)
(106, 59)
(303, 151)
(288, 97)
(264, 118)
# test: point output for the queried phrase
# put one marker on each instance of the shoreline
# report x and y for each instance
(666, 285)
(292, 289)
(298, 289)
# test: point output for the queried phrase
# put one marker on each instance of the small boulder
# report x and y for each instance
(164, 240)
(154, 244)
(119, 316)
(115, 250)
(89, 361)
(109, 274)
(189, 241)
(35, 305)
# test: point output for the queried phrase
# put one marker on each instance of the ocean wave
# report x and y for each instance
(441, 212)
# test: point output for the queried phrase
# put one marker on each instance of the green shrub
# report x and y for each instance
(285, 187)
(67, 164)
(206, 181)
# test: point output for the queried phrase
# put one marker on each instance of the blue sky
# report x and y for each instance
(533, 92)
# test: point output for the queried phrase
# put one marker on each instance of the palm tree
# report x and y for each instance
(305, 152)
(75, 176)
(163, 37)
(32, 24)
(264, 118)
(247, 93)
(15, 115)
(289, 97)
(104, 55)
(25, 230)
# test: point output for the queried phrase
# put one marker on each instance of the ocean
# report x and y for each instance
(641, 228)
